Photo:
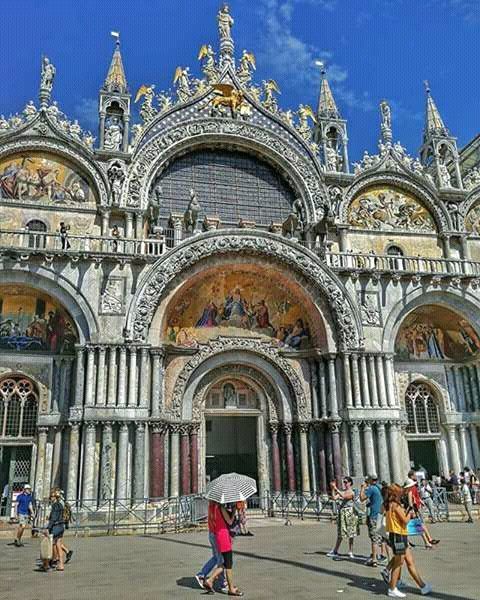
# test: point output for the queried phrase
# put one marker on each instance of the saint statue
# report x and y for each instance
(386, 114)
(48, 74)
(113, 135)
(332, 157)
(225, 23)
(445, 179)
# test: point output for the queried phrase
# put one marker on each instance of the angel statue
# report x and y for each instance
(147, 111)
(304, 113)
(287, 116)
(182, 80)
(269, 101)
(164, 102)
(247, 65)
(227, 96)
(209, 68)
(48, 74)
(225, 23)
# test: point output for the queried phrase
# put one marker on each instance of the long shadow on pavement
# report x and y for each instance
(359, 581)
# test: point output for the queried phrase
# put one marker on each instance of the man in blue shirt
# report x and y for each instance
(371, 492)
(24, 512)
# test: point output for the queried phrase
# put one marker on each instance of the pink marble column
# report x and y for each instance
(336, 451)
(292, 486)
(194, 456)
(157, 460)
(322, 462)
(185, 458)
(276, 476)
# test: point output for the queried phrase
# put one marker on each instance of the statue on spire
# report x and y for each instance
(225, 23)
(386, 126)
(46, 81)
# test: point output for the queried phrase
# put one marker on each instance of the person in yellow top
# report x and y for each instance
(396, 520)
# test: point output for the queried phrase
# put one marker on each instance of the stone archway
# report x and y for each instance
(233, 242)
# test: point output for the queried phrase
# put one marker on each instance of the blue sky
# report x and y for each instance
(375, 49)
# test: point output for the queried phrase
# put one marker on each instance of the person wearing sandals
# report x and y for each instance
(370, 492)
(216, 560)
(221, 519)
(397, 519)
(416, 503)
(56, 527)
(347, 519)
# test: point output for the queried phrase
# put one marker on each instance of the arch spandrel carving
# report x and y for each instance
(244, 136)
(224, 345)
(145, 303)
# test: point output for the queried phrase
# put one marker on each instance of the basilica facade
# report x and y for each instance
(215, 288)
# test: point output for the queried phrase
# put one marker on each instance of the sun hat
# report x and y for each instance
(27, 486)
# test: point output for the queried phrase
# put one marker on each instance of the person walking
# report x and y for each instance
(397, 519)
(370, 492)
(4, 502)
(466, 499)
(221, 519)
(242, 516)
(216, 559)
(56, 528)
(426, 493)
(347, 519)
(24, 513)
(415, 503)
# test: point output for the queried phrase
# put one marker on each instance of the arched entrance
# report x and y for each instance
(18, 419)
(423, 429)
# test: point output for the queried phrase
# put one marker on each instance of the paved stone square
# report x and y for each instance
(278, 563)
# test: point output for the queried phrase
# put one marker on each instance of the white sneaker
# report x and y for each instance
(426, 589)
(332, 554)
(351, 555)
(396, 593)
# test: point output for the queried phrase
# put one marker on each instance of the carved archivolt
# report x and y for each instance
(165, 144)
(232, 371)
(347, 321)
(266, 351)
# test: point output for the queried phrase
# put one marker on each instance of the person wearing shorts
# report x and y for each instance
(24, 513)
(370, 492)
(56, 527)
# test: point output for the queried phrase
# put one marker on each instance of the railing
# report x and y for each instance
(350, 261)
(35, 241)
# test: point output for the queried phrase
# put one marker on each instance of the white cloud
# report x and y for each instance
(469, 10)
(86, 111)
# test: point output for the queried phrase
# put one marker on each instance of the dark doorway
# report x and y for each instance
(15, 462)
(424, 453)
(231, 446)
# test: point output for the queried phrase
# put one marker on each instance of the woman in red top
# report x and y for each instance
(218, 521)
(416, 503)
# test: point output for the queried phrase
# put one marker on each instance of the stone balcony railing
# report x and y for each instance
(51, 243)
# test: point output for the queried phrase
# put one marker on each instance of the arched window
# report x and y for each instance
(18, 407)
(422, 409)
(36, 229)
(394, 251)
(232, 395)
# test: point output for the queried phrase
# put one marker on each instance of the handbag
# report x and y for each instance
(46, 547)
(399, 544)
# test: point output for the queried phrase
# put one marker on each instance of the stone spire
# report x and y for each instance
(116, 80)
(434, 124)
(326, 102)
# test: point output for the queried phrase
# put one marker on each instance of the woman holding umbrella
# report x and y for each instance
(226, 489)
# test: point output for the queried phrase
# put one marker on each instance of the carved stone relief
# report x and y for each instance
(112, 299)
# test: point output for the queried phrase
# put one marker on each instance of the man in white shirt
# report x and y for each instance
(466, 499)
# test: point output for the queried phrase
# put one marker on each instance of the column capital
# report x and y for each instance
(107, 425)
(184, 429)
(274, 427)
(462, 427)
(303, 426)
(334, 426)
(367, 425)
(79, 350)
(318, 425)
(287, 428)
(159, 427)
(74, 425)
(140, 426)
(380, 425)
(123, 349)
(91, 425)
(42, 429)
(355, 426)
(194, 427)
(451, 427)
(158, 352)
(174, 427)
(123, 425)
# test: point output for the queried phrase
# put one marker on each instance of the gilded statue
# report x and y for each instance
(305, 112)
(182, 80)
(270, 88)
(147, 111)
(247, 65)
(209, 68)
(227, 97)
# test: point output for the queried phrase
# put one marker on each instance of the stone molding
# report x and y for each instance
(344, 311)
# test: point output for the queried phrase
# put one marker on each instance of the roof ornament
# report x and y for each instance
(182, 80)
(207, 56)
(225, 24)
(247, 65)
(326, 102)
(433, 121)
(46, 82)
(386, 123)
(116, 80)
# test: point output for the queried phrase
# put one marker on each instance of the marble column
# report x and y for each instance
(47, 477)
(106, 462)
(443, 453)
(464, 446)
(100, 398)
(475, 445)
(157, 460)
(122, 463)
(174, 459)
(383, 466)
(453, 445)
(472, 377)
(396, 454)
(73, 461)
(79, 376)
(372, 380)
(112, 376)
(356, 450)
(322, 381)
(194, 429)
(357, 395)
(185, 458)
(347, 381)
(314, 387)
(291, 482)
(177, 231)
(276, 473)
(90, 379)
(88, 488)
(332, 388)
(381, 387)
(457, 372)
(303, 430)
(139, 462)
(322, 462)
(128, 224)
(369, 448)
(57, 455)
(57, 374)
(157, 382)
(145, 385)
(40, 488)
(329, 456)
(390, 381)
(345, 446)
(122, 377)
(132, 378)
(364, 381)
(466, 387)
(336, 451)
